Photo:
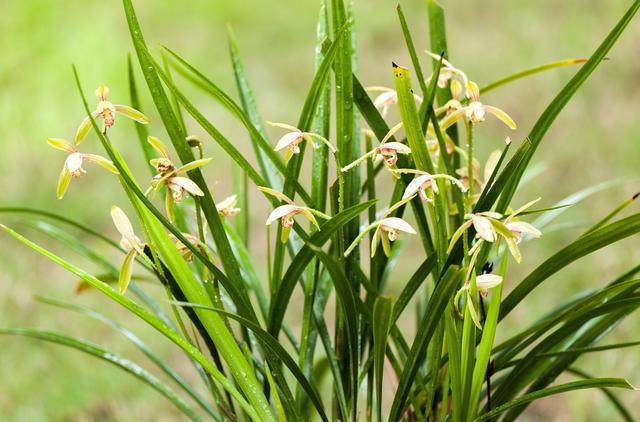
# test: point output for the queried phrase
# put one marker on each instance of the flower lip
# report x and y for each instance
(74, 164)
(290, 140)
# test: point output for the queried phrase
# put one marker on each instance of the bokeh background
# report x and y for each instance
(595, 139)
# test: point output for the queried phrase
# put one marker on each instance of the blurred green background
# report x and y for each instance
(595, 139)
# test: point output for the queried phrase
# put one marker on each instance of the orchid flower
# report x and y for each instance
(130, 243)
(73, 164)
(387, 98)
(424, 184)
(475, 111)
(227, 207)
(487, 225)
(387, 151)
(292, 139)
(106, 111)
(520, 228)
(168, 176)
(285, 213)
(387, 229)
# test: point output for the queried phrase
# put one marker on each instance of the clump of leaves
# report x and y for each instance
(450, 368)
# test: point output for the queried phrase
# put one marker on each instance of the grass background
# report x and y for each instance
(595, 139)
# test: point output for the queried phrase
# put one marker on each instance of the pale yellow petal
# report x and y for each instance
(281, 211)
(132, 113)
(504, 117)
(284, 126)
(125, 271)
(61, 144)
(275, 193)
(84, 128)
(159, 146)
(287, 140)
(398, 224)
(193, 165)
(484, 228)
(488, 281)
(188, 185)
(122, 223)
(63, 181)
(108, 164)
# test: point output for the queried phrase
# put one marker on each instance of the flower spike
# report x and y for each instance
(73, 164)
(106, 111)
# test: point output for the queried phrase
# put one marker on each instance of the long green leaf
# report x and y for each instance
(138, 343)
(279, 351)
(100, 353)
(279, 303)
(194, 292)
(591, 242)
(509, 179)
(141, 130)
(186, 155)
(530, 71)
(563, 388)
(144, 315)
(382, 311)
(437, 303)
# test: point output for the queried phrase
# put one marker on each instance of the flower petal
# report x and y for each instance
(456, 235)
(287, 140)
(193, 165)
(309, 215)
(488, 281)
(504, 117)
(282, 211)
(523, 227)
(159, 146)
(391, 132)
(122, 223)
(188, 185)
(125, 271)
(275, 193)
(131, 113)
(414, 186)
(451, 118)
(84, 128)
(61, 144)
(484, 228)
(374, 242)
(398, 147)
(386, 98)
(228, 202)
(398, 224)
(63, 181)
(284, 126)
(74, 163)
(98, 159)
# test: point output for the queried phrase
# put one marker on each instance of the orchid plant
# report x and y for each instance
(303, 355)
